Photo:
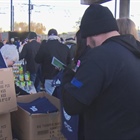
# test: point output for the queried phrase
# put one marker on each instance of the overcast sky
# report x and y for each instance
(59, 14)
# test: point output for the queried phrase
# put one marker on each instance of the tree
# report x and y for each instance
(0, 29)
(21, 26)
(39, 28)
(77, 24)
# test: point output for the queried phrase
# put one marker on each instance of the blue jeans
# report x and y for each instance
(48, 86)
(33, 77)
(38, 80)
(35, 81)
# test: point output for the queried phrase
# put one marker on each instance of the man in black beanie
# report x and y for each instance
(105, 88)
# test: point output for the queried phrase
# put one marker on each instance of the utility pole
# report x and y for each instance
(30, 7)
(29, 10)
(115, 9)
(13, 20)
(11, 13)
(124, 8)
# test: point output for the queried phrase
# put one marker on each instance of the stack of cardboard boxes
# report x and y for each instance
(16, 121)
(39, 126)
(8, 102)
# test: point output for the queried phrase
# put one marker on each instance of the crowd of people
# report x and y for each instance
(38, 57)
(100, 80)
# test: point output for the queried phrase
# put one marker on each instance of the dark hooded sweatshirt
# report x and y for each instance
(106, 90)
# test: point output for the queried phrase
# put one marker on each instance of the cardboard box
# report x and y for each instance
(8, 101)
(28, 126)
(5, 127)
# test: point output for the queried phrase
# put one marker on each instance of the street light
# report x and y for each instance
(19, 29)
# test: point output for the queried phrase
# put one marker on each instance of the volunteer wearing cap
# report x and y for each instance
(28, 53)
(106, 86)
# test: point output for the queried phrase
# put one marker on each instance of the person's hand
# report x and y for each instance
(68, 74)
(58, 68)
(9, 62)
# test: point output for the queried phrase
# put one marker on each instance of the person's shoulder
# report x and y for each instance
(34, 42)
(13, 45)
(38, 43)
(64, 46)
(103, 52)
(27, 44)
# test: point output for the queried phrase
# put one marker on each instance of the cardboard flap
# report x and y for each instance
(31, 97)
(8, 101)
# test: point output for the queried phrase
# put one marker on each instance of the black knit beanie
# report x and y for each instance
(96, 20)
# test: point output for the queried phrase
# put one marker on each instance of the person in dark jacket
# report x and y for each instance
(52, 48)
(1, 44)
(71, 44)
(2, 62)
(105, 87)
(28, 53)
(81, 50)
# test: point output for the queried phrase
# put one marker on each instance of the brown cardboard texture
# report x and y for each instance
(37, 126)
(5, 127)
(8, 101)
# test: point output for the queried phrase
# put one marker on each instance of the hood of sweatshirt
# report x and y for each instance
(127, 41)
